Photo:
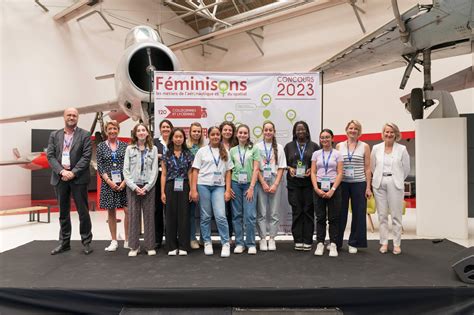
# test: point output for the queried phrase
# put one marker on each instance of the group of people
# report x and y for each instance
(238, 182)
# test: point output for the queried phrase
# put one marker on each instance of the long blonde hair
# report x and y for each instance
(189, 142)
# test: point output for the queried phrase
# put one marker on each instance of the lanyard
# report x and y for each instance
(268, 154)
(114, 152)
(67, 143)
(178, 163)
(326, 163)
(349, 155)
(216, 161)
(301, 152)
(242, 158)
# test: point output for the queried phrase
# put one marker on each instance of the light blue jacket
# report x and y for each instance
(132, 167)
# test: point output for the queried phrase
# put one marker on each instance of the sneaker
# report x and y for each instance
(263, 245)
(125, 245)
(252, 250)
(151, 252)
(133, 252)
(239, 249)
(333, 250)
(271, 244)
(298, 246)
(225, 252)
(172, 252)
(307, 247)
(319, 249)
(352, 250)
(208, 251)
(194, 244)
(182, 253)
(112, 247)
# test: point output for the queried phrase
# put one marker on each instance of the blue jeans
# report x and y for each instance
(244, 214)
(211, 200)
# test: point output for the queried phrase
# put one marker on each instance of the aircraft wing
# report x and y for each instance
(14, 162)
(107, 106)
(383, 50)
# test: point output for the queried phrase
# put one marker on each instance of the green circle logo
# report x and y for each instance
(223, 86)
(229, 116)
(266, 99)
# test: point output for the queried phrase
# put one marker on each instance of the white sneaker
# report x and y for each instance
(239, 249)
(307, 247)
(298, 246)
(333, 250)
(112, 247)
(263, 245)
(125, 245)
(319, 249)
(271, 244)
(172, 252)
(194, 244)
(151, 252)
(133, 252)
(182, 253)
(352, 250)
(208, 251)
(225, 252)
(252, 250)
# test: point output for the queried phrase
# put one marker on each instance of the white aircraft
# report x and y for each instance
(144, 53)
(425, 32)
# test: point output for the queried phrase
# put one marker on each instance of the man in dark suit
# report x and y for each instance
(69, 155)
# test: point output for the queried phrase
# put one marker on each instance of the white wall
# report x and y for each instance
(48, 66)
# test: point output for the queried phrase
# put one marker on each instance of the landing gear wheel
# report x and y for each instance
(416, 104)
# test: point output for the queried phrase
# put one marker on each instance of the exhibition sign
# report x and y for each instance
(242, 98)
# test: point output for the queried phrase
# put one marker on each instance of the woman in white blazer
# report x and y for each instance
(390, 166)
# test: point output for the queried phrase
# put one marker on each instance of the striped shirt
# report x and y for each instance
(357, 162)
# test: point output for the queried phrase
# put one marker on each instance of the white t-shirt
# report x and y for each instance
(205, 162)
(263, 156)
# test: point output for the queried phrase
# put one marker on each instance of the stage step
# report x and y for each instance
(230, 311)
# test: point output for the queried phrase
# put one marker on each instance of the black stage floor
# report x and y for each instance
(420, 280)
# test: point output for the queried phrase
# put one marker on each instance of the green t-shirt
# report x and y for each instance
(251, 155)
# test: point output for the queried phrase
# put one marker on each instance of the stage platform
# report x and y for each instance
(420, 280)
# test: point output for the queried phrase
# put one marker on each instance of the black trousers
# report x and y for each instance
(159, 222)
(301, 202)
(356, 193)
(327, 210)
(228, 214)
(177, 217)
(64, 190)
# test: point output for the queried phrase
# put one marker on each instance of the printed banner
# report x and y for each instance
(248, 98)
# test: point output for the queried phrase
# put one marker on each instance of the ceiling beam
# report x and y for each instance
(263, 21)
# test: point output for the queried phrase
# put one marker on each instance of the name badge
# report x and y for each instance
(217, 178)
(267, 172)
(242, 177)
(178, 184)
(116, 177)
(300, 169)
(349, 171)
(65, 160)
(325, 184)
